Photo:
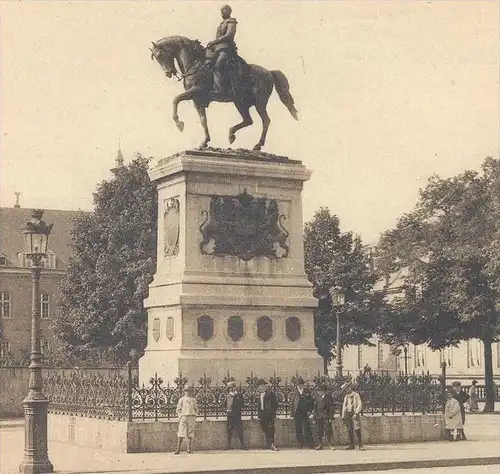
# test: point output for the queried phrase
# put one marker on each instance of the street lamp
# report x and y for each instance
(338, 299)
(36, 459)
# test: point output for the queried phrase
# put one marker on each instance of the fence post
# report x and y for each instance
(129, 391)
(443, 383)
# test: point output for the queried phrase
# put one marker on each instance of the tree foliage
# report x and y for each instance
(101, 317)
(449, 247)
(333, 259)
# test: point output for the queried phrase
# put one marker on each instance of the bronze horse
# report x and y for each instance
(253, 88)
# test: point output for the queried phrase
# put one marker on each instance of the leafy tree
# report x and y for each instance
(332, 259)
(101, 317)
(449, 246)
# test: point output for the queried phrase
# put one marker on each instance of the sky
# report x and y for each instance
(388, 94)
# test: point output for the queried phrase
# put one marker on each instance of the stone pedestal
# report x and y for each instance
(230, 294)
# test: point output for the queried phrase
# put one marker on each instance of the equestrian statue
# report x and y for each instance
(218, 74)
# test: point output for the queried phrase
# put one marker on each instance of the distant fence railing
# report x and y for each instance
(92, 392)
(481, 394)
(115, 396)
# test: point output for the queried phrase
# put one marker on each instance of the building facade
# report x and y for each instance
(463, 363)
(16, 282)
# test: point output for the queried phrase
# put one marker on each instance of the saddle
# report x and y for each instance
(236, 73)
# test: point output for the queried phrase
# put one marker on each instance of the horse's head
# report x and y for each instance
(165, 57)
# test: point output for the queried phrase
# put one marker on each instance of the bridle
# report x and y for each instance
(158, 53)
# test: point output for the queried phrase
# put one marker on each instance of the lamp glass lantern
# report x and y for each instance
(338, 297)
(36, 235)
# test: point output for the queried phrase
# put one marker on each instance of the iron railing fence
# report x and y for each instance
(91, 392)
(380, 393)
(114, 395)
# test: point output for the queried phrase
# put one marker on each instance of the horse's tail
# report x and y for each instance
(283, 90)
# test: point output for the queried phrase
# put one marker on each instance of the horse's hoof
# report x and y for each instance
(232, 138)
(203, 146)
(180, 125)
(257, 148)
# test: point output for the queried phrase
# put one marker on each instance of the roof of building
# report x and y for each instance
(13, 219)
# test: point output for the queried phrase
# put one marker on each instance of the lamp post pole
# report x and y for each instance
(405, 349)
(338, 365)
(36, 458)
(338, 299)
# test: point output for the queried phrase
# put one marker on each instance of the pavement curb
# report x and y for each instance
(326, 468)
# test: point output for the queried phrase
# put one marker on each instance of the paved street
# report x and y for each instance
(483, 432)
(447, 470)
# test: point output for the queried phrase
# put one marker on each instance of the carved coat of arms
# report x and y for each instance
(245, 227)
(171, 227)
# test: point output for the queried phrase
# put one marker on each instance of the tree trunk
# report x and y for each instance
(325, 365)
(488, 377)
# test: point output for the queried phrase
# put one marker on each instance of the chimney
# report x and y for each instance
(17, 205)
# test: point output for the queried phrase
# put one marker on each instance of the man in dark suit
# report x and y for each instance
(302, 404)
(462, 397)
(268, 406)
(322, 414)
(234, 400)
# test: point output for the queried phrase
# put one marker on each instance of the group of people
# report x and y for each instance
(454, 410)
(306, 409)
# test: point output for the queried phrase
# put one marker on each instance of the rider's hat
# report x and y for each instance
(226, 7)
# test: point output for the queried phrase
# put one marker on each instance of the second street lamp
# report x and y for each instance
(338, 299)
(36, 459)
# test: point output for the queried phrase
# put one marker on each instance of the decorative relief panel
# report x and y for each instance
(171, 226)
(156, 329)
(245, 227)
(170, 328)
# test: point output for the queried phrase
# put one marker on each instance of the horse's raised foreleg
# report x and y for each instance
(187, 95)
(262, 110)
(202, 112)
(247, 121)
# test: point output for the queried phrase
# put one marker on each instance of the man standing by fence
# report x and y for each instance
(462, 397)
(351, 411)
(268, 406)
(234, 401)
(323, 410)
(302, 404)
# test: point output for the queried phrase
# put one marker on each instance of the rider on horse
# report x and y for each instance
(222, 50)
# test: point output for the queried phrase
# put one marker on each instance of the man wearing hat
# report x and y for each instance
(462, 397)
(322, 414)
(302, 404)
(234, 402)
(351, 410)
(268, 406)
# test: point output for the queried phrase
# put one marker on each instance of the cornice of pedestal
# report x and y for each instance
(243, 163)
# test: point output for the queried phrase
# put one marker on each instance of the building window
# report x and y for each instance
(44, 305)
(360, 356)
(49, 261)
(474, 358)
(4, 349)
(5, 305)
(205, 327)
(3, 260)
(235, 328)
(380, 355)
(446, 355)
(293, 328)
(264, 328)
(420, 355)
